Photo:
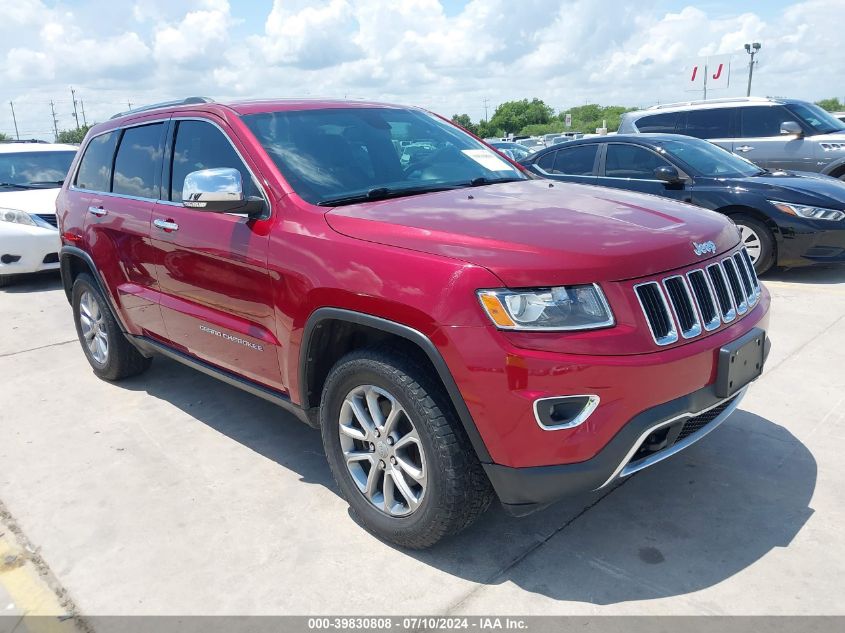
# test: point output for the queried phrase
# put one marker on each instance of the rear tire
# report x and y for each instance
(442, 474)
(110, 355)
(758, 240)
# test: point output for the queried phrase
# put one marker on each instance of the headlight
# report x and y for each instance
(17, 217)
(811, 213)
(561, 308)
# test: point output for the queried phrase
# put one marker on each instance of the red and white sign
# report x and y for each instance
(714, 72)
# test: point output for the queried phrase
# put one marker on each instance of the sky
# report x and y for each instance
(450, 56)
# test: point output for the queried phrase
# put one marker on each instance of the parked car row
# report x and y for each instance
(785, 218)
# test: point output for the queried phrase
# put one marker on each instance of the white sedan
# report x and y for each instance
(30, 177)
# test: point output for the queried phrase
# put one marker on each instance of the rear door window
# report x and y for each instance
(137, 166)
(94, 171)
(631, 161)
(577, 161)
(715, 123)
(664, 123)
(763, 121)
(546, 162)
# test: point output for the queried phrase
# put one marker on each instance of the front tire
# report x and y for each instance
(110, 355)
(397, 450)
(758, 240)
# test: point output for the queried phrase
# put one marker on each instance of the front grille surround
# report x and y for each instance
(700, 300)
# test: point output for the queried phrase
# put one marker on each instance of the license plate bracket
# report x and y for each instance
(740, 362)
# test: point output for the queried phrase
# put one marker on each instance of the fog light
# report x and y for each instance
(564, 412)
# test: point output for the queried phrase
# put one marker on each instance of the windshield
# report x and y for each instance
(821, 121)
(34, 169)
(514, 150)
(343, 154)
(706, 159)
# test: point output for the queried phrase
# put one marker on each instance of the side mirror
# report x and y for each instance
(218, 190)
(667, 174)
(791, 128)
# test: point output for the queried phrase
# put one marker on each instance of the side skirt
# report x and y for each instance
(278, 398)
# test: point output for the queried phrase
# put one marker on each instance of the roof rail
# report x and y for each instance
(164, 104)
(22, 140)
(678, 104)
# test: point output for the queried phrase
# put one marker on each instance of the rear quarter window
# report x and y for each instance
(95, 167)
(706, 124)
(664, 123)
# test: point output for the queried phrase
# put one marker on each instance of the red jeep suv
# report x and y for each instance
(456, 328)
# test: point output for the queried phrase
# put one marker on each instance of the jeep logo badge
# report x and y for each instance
(704, 247)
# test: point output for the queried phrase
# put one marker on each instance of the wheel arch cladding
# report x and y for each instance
(331, 333)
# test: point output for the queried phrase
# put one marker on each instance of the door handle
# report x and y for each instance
(98, 211)
(743, 148)
(166, 225)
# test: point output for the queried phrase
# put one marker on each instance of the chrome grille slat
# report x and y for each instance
(687, 304)
(657, 313)
(681, 301)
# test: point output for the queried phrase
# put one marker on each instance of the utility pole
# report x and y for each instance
(751, 49)
(75, 113)
(55, 123)
(129, 103)
(84, 120)
(485, 108)
(17, 135)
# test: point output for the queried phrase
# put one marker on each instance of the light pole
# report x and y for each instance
(751, 49)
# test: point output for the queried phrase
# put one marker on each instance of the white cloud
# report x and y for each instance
(565, 52)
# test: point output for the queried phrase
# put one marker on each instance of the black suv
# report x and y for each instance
(786, 218)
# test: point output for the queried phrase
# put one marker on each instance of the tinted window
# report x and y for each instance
(761, 121)
(706, 159)
(201, 145)
(576, 160)
(138, 161)
(95, 167)
(658, 123)
(631, 161)
(709, 123)
(340, 155)
(546, 162)
(35, 169)
(821, 121)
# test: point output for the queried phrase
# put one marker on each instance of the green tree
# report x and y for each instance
(831, 105)
(5, 137)
(513, 116)
(465, 122)
(73, 136)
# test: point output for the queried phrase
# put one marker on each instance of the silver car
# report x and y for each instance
(774, 133)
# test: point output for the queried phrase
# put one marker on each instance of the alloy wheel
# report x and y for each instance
(382, 450)
(93, 323)
(751, 241)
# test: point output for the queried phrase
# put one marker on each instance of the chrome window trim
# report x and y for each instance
(622, 470)
(716, 321)
(73, 187)
(695, 330)
(742, 306)
(592, 404)
(732, 314)
(672, 335)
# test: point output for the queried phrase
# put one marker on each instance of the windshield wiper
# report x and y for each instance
(483, 180)
(16, 185)
(382, 193)
(46, 183)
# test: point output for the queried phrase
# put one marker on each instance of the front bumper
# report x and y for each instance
(685, 420)
(808, 242)
(33, 249)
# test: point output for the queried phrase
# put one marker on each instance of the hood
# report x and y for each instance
(30, 200)
(532, 234)
(798, 187)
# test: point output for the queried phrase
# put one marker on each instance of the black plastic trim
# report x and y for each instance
(72, 251)
(408, 333)
(150, 346)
